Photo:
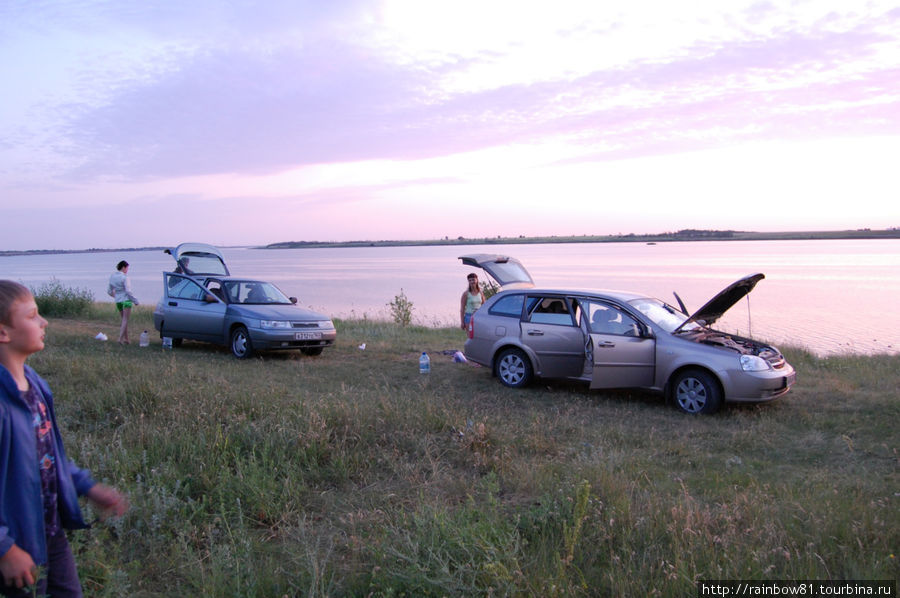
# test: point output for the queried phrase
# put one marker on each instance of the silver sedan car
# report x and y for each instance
(615, 339)
(201, 301)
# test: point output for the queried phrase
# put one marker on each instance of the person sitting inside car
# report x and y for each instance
(256, 295)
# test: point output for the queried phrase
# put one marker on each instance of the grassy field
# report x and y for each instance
(350, 474)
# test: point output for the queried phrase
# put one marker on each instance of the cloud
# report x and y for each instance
(242, 110)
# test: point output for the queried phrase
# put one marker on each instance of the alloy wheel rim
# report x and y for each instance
(691, 395)
(240, 344)
(511, 369)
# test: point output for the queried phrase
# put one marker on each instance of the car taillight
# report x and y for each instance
(471, 328)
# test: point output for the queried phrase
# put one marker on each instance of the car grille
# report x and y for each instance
(305, 324)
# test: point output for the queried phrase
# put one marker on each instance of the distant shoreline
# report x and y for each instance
(680, 236)
(59, 251)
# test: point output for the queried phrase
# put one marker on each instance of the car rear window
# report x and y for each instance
(507, 272)
(549, 310)
(201, 263)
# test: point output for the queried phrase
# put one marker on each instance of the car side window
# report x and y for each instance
(608, 319)
(511, 306)
(578, 312)
(174, 284)
(215, 287)
(185, 288)
(551, 310)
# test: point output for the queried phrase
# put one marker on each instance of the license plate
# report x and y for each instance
(307, 336)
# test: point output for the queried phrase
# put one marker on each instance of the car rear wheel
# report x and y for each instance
(513, 368)
(241, 345)
(696, 391)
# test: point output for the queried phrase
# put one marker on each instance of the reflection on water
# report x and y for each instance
(828, 296)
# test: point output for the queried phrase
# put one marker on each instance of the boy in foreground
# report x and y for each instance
(39, 486)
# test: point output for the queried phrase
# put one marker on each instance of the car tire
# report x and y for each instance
(513, 368)
(241, 345)
(311, 351)
(696, 392)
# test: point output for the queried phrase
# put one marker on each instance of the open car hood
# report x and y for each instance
(198, 259)
(722, 302)
(507, 271)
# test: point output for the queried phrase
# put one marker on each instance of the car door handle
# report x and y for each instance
(535, 333)
(173, 303)
(606, 345)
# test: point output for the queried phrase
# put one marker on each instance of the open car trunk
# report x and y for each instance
(198, 259)
(507, 271)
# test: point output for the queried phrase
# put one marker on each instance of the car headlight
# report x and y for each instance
(274, 324)
(753, 363)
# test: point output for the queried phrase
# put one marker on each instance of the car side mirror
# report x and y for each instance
(293, 300)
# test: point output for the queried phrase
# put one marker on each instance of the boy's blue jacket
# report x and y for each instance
(21, 505)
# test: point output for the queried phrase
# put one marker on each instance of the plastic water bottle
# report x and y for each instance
(167, 342)
(424, 363)
(145, 339)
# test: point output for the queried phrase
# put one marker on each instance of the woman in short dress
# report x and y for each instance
(120, 290)
(472, 299)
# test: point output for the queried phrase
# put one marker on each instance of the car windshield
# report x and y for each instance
(254, 292)
(662, 314)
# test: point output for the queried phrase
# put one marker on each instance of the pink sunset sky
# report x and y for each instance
(131, 123)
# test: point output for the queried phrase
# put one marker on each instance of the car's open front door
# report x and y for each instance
(623, 354)
(191, 310)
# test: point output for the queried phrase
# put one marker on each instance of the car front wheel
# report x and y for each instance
(696, 391)
(513, 368)
(241, 345)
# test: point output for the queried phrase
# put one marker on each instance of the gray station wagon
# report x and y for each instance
(202, 301)
(615, 339)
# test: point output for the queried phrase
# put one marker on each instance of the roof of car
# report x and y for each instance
(607, 293)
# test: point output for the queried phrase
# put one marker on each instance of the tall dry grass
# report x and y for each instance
(350, 474)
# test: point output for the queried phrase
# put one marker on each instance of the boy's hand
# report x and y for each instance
(18, 568)
(109, 501)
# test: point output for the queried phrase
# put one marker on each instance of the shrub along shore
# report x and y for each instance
(351, 474)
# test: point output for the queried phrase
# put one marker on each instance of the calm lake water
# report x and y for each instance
(828, 296)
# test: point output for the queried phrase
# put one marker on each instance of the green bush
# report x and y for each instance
(55, 299)
(489, 288)
(401, 309)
